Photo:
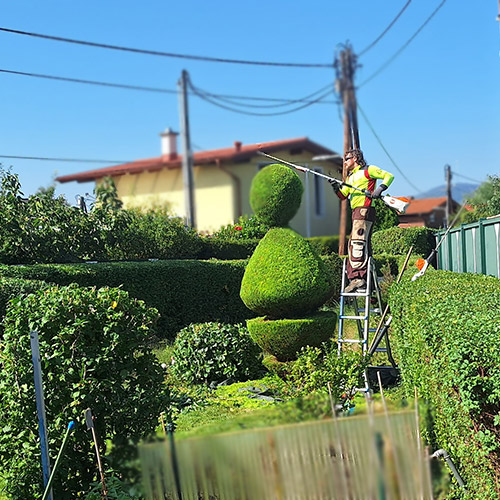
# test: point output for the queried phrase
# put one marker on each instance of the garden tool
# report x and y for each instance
(398, 203)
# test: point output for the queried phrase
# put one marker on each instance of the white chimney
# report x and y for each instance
(169, 144)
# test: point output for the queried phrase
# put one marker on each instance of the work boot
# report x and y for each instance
(355, 285)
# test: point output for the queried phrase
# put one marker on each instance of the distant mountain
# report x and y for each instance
(459, 190)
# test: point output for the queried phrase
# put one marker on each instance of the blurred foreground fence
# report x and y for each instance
(348, 458)
(472, 248)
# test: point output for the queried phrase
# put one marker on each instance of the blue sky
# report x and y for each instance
(436, 103)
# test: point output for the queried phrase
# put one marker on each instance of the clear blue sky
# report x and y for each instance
(436, 103)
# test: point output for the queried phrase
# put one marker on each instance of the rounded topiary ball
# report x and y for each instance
(275, 194)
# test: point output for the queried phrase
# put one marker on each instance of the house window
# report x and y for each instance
(319, 194)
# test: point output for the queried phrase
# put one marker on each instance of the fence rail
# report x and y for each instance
(472, 248)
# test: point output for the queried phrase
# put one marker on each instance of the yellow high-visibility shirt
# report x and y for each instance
(365, 179)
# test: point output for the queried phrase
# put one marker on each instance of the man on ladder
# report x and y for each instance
(360, 176)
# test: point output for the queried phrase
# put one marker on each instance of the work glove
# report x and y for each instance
(335, 185)
(378, 192)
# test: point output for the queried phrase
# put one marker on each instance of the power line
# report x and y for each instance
(387, 152)
(389, 61)
(467, 178)
(151, 89)
(366, 49)
(164, 54)
(207, 97)
(71, 160)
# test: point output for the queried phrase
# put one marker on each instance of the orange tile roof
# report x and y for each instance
(239, 152)
(425, 205)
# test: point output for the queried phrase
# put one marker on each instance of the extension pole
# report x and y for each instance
(56, 464)
(40, 409)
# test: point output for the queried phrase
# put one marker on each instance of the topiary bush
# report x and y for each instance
(94, 354)
(285, 277)
(213, 352)
(397, 241)
(275, 194)
(446, 335)
(283, 338)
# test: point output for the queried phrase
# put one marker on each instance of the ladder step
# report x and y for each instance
(353, 317)
(374, 311)
(381, 349)
(352, 341)
(361, 293)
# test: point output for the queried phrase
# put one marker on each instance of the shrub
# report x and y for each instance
(385, 217)
(283, 338)
(446, 336)
(93, 355)
(246, 228)
(285, 277)
(183, 291)
(213, 352)
(397, 241)
(325, 245)
(222, 249)
(275, 194)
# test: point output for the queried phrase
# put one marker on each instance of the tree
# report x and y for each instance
(485, 201)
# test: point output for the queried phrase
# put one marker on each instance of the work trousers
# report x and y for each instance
(359, 247)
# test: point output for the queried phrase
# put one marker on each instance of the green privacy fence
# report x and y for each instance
(355, 457)
(472, 248)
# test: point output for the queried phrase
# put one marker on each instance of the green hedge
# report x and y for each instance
(183, 291)
(227, 249)
(397, 241)
(446, 337)
(325, 245)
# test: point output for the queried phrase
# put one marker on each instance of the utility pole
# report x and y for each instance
(187, 156)
(346, 66)
(449, 200)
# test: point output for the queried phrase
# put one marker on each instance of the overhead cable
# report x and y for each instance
(153, 89)
(71, 160)
(164, 54)
(207, 97)
(366, 49)
(387, 152)
(464, 177)
(389, 61)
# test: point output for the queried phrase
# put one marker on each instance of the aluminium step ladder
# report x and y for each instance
(363, 307)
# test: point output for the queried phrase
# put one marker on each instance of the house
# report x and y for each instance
(426, 212)
(222, 179)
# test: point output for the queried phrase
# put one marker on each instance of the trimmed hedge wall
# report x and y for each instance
(397, 240)
(446, 330)
(183, 291)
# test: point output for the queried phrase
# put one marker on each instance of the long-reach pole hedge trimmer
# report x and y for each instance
(399, 204)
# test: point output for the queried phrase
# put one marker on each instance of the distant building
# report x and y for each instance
(426, 212)
(222, 179)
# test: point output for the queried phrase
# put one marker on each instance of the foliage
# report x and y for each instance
(325, 245)
(116, 490)
(485, 201)
(183, 291)
(397, 241)
(285, 277)
(213, 352)
(283, 338)
(275, 194)
(385, 217)
(93, 355)
(106, 195)
(446, 334)
(227, 249)
(316, 368)
(246, 228)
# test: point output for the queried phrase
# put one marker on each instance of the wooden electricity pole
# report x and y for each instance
(346, 66)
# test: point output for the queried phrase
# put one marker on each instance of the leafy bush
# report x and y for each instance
(183, 291)
(283, 338)
(93, 355)
(227, 249)
(397, 241)
(385, 217)
(315, 368)
(213, 352)
(446, 336)
(325, 245)
(285, 277)
(275, 194)
(247, 228)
